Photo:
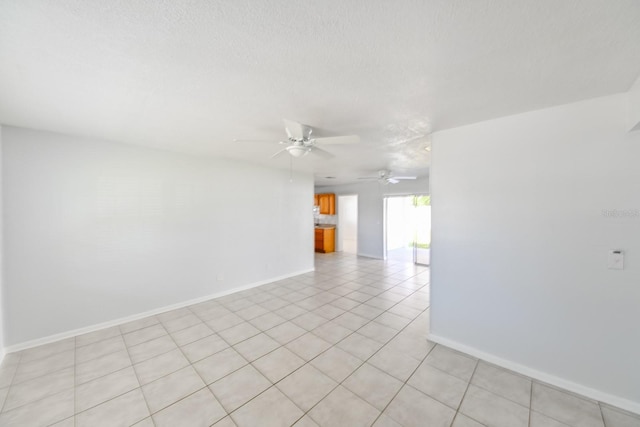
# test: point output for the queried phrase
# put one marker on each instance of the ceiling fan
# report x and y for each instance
(386, 177)
(299, 141)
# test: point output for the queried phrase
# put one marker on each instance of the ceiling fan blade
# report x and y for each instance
(392, 180)
(404, 177)
(254, 140)
(322, 153)
(368, 177)
(347, 139)
(296, 130)
(279, 152)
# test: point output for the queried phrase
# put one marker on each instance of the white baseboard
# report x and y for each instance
(64, 335)
(571, 386)
(368, 255)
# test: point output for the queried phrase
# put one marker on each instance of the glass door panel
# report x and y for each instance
(422, 227)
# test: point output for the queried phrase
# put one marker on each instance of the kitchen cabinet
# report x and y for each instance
(326, 202)
(325, 238)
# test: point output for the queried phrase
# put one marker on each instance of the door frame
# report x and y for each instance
(340, 226)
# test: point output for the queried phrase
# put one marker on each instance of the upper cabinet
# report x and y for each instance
(327, 203)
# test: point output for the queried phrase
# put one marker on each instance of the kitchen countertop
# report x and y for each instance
(325, 226)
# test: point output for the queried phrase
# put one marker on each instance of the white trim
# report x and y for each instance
(63, 335)
(368, 256)
(571, 386)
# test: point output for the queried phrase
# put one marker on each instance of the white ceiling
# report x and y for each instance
(193, 75)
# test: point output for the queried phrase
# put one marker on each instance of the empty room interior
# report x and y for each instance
(335, 213)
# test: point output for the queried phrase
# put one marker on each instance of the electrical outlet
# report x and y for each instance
(615, 260)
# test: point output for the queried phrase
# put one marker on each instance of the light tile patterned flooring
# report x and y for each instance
(344, 346)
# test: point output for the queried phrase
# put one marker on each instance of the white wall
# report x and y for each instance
(371, 209)
(2, 309)
(96, 231)
(634, 106)
(519, 254)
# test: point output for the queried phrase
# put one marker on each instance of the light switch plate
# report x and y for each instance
(615, 260)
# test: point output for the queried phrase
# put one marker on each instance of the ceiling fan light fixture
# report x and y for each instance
(297, 150)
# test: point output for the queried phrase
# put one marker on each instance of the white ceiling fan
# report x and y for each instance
(299, 141)
(386, 177)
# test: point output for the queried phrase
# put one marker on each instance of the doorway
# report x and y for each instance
(347, 232)
(408, 228)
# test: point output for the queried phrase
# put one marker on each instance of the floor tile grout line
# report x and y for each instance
(601, 413)
(4, 410)
(571, 394)
(192, 367)
(308, 363)
(488, 390)
(408, 378)
(231, 345)
(168, 334)
(100, 356)
(530, 402)
(139, 384)
(116, 327)
(107, 400)
(153, 316)
(406, 383)
(362, 364)
(66, 367)
(145, 341)
(42, 357)
(155, 355)
(129, 391)
(475, 368)
(15, 372)
(74, 386)
(207, 386)
(289, 374)
(13, 382)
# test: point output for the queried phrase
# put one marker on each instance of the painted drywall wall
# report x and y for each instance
(525, 209)
(2, 309)
(371, 209)
(96, 231)
(634, 106)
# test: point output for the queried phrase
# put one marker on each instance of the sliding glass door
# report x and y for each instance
(408, 228)
(422, 228)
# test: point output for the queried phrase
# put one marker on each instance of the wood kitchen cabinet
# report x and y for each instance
(326, 202)
(325, 239)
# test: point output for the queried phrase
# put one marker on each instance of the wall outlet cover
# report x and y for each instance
(615, 259)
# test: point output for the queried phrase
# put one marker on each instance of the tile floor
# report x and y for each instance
(344, 346)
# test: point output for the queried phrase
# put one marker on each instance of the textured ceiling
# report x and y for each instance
(194, 75)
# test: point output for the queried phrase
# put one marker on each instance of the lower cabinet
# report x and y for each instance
(325, 240)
